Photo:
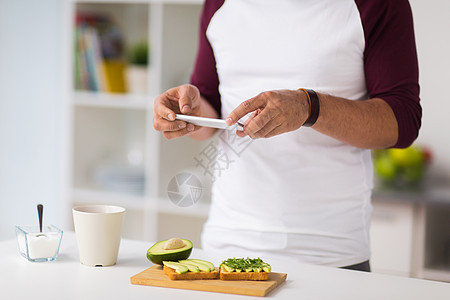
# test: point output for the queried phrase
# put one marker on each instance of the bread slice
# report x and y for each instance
(225, 275)
(190, 275)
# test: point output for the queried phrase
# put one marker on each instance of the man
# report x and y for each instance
(302, 189)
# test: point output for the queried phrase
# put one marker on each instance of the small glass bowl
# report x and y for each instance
(39, 246)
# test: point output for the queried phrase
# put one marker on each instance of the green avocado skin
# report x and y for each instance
(158, 259)
(170, 256)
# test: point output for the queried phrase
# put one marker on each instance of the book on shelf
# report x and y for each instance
(99, 56)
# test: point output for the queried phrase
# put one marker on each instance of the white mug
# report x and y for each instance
(98, 229)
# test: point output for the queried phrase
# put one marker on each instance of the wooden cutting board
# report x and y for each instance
(154, 276)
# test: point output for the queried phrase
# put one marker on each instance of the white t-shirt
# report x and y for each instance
(301, 195)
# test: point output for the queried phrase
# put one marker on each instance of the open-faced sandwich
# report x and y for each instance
(190, 269)
(173, 255)
(244, 269)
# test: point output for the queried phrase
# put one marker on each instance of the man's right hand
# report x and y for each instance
(184, 99)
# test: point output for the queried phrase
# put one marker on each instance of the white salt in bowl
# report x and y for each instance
(39, 246)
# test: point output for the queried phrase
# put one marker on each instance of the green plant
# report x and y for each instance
(138, 53)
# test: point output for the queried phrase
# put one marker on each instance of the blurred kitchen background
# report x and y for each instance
(77, 83)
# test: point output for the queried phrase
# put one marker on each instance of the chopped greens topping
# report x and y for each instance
(247, 265)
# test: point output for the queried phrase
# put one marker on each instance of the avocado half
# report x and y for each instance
(156, 254)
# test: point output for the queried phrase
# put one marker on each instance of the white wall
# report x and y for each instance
(30, 107)
(432, 28)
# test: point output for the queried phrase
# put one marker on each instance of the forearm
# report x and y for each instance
(368, 124)
(209, 112)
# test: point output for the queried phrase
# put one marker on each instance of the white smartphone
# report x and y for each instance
(208, 122)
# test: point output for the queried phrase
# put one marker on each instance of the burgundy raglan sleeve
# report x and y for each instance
(390, 62)
(204, 75)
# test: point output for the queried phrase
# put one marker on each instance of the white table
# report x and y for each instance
(67, 279)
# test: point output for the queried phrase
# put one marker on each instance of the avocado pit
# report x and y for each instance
(173, 244)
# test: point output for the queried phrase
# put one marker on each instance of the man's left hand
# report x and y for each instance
(276, 112)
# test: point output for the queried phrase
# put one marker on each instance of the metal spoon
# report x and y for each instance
(40, 209)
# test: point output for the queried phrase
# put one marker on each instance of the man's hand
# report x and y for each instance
(275, 112)
(184, 99)
(367, 124)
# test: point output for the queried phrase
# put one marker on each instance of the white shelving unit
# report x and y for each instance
(111, 131)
